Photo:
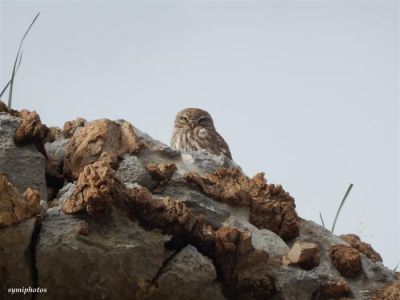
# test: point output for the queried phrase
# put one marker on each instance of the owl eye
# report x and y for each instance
(202, 120)
(183, 119)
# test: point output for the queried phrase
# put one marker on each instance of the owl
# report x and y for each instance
(194, 130)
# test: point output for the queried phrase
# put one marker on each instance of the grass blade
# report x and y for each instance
(340, 206)
(396, 267)
(322, 220)
(9, 82)
(18, 59)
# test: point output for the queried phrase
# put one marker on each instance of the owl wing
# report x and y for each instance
(223, 145)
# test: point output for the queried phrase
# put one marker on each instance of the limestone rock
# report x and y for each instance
(188, 275)
(346, 260)
(364, 248)
(115, 259)
(24, 165)
(15, 258)
(15, 208)
(303, 254)
(71, 126)
(391, 292)
(270, 206)
(131, 171)
(97, 139)
(30, 130)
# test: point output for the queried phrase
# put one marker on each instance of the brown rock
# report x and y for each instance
(3, 107)
(32, 198)
(364, 248)
(31, 130)
(161, 172)
(334, 288)
(95, 191)
(346, 260)
(270, 206)
(391, 292)
(71, 126)
(52, 134)
(15, 208)
(303, 254)
(103, 139)
(244, 269)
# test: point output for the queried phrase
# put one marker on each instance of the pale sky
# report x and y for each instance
(307, 92)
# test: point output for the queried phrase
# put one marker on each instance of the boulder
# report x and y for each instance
(24, 165)
(187, 275)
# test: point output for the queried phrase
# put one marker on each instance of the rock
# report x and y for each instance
(70, 127)
(364, 248)
(30, 130)
(270, 206)
(131, 171)
(116, 258)
(391, 292)
(24, 165)
(334, 288)
(161, 172)
(346, 260)
(99, 139)
(3, 107)
(303, 254)
(188, 275)
(15, 259)
(15, 208)
(96, 190)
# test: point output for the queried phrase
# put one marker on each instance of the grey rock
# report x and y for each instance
(204, 162)
(112, 258)
(188, 275)
(15, 260)
(24, 165)
(131, 170)
(56, 149)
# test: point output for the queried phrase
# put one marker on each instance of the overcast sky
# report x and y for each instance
(305, 91)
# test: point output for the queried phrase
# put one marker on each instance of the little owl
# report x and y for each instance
(194, 130)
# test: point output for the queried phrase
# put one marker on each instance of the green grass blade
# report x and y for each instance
(18, 58)
(9, 82)
(322, 220)
(340, 206)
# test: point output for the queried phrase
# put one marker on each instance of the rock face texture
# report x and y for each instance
(24, 165)
(130, 218)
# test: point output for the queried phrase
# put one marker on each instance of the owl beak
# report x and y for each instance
(192, 125)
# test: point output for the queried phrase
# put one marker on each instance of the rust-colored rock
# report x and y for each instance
(334, 288)
(71, 126)
(31, 130)
(364, 248)
(96, 189)
(244, 270)
(391, 292)
(3, 107)
(52, 134)
(270, 206)
(15, 208)
(346, 260)
(161, 172)
(32, 198)
(303, 254)
(99, 139)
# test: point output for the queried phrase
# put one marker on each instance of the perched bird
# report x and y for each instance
(194, 130)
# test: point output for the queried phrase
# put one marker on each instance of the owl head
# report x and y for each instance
(191, 118)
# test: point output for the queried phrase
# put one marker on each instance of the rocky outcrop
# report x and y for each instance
(103, 139)
(130, 218)
(270, 206)
(346, 260)
(23, 164)
(366, 249)
(303, 254)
